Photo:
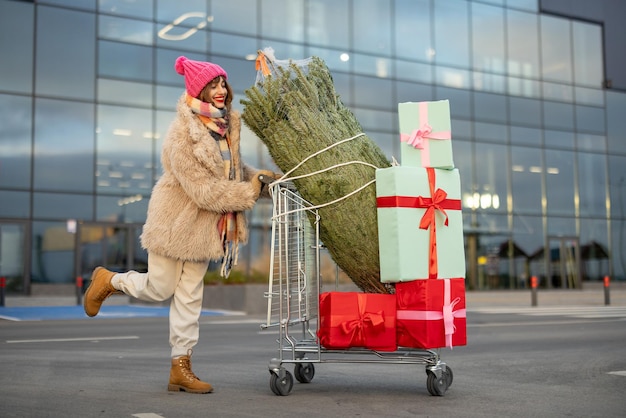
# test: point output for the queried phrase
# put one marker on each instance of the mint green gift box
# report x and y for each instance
(403, 196)
(425, 134)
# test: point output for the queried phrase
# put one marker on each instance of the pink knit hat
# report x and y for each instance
(197, 73)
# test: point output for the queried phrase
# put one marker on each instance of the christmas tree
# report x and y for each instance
(295, 111)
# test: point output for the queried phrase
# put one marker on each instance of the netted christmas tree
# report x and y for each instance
(294, 109)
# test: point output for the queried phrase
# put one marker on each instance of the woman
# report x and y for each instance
(195, 214)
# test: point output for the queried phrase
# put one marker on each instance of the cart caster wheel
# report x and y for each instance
(436, 387)
(304, 372)
(449, 376)
(281, 387)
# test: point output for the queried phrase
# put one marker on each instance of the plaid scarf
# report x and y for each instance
(216, 121)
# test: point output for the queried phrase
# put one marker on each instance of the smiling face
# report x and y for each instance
(218, 93)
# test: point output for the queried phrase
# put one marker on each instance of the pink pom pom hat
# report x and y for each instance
(197, 73)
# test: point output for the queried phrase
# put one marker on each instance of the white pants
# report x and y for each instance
(180, 280)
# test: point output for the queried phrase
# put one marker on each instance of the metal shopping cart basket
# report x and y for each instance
(293, 303)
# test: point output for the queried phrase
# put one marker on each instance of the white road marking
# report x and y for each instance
(147, 415)
(64, 340)
(619, 373)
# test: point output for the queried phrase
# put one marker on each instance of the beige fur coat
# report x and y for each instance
(193, 193)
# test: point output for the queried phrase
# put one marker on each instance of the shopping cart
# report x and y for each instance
(293, 303)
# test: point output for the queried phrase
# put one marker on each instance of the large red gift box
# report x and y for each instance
(431, 313)
(353, 319)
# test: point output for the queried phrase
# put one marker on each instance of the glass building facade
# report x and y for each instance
(88, 89)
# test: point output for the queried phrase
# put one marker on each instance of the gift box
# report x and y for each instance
(431, 313)
(425, 134)
(354, 319)
(420, 225)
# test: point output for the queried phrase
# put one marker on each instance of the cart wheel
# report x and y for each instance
(304, 372)
(436, 387)
(281, 387)
(449, 376)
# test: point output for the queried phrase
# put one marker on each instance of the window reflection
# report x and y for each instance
(591, 173)
(125, 140)
(135, 8)
(244, 21)
(372, 27)
(490, 191)
(326, 23)
(526, 169)
(588, 55)
(413, 30)
(63, 153)
(125, 61)
(556, 49)
(523, 44)
(525, 111)
(15, 141)
(560, 176)
(451, 33)
(125, 30)
(283, 20)
(16, 41)
(488, 38)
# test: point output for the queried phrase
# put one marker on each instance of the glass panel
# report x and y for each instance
(594, 249)
(124, 150)
(487, 38)
(592, 184)
(559, 92)
(283, 20)
(525, 136)
(525, 111)
(12, 239)
(343, 87)
(334, 59)
(183, 30)
(15, 141)
(374, 119)
(560, 176)
(528, 233)
(588, 57)
(14, 204)
(590, 142)
(131, 62)
(617, 187)
(52, 253)
(561, 226)
(464, 162)
(165, 72)
(459, 101)
(63, 153)
(490, 132)
(558, 115)
(490, 193)
(62, 206)
(413, 30)
(524, 87)
(374, 92)
(523, 44)
(413, 92)
(243, 21)
(65, 53)
(490, 107)
(590, 119)
(178, 13)
(462, 129)
(616, 122)
(127, 209)
(388, 143)
(370, 65)
(421, 73)
(372, 27)
(490, 82)
(124, 92)
(77, 4)
(327, 23)
(125, 30)
(135, 8)
(453, 77)
(531, 5)
(167, 97)
(16, 41)
(526, 180)
(163, 121)
(593, 97)
(451, 33)
(556, 47)
(241, 73)
(559, 139)
(236, 46)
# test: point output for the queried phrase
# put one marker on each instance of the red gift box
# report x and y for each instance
(353, 319)
(431, 313)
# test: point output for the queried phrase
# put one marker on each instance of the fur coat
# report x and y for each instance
(193, 192)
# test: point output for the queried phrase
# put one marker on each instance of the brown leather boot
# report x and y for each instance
(99, 289)
(183, 379)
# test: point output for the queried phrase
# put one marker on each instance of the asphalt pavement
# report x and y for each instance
(562, 357)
